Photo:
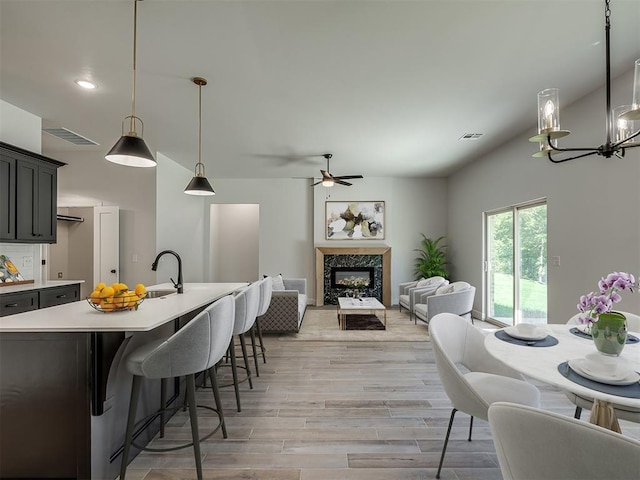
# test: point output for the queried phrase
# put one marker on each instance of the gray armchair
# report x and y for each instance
(409, 292)
(456, 297)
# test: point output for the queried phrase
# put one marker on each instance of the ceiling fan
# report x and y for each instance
(329, 180)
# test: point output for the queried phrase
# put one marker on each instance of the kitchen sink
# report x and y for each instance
(159, 293)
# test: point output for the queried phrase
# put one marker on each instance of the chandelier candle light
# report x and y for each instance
(624, 119)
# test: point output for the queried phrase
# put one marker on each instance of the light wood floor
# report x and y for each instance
(338, 410)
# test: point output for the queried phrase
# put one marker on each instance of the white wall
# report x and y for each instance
(235, 242)
(593, 205)
(90, 180)
(412, 207)
(180, 223)
(286, 219)
(20, 128)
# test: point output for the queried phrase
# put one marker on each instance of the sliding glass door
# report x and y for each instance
(516, 264)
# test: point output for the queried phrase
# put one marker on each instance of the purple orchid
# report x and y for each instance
(594, 304)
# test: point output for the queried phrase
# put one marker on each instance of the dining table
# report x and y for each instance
(548, 359)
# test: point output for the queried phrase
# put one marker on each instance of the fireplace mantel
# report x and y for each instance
(386, 268)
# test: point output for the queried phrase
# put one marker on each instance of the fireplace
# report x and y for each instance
(354, 259)
(343, 277)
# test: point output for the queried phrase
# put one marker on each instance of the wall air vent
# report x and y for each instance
(69, 136)
(470, 136)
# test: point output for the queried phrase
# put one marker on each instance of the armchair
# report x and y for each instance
(456, 297)
(409, 292)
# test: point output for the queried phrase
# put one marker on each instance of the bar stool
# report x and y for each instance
(195, 348)
(247, 303)
(266, 289)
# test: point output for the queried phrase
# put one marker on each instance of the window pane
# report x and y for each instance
(500, 267)
(532, 240)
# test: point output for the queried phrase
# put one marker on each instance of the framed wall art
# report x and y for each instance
(354, 220)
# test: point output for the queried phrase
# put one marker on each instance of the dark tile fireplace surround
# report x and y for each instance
(353, 263)
(356, 261)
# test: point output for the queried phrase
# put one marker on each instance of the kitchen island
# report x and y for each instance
(64, 390)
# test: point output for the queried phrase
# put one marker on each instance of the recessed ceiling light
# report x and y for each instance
(86, 84)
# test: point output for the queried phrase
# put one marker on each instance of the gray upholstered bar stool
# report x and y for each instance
(195, 348)
(266, 289)
(247, 303)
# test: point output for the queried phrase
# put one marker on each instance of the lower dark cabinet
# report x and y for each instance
(12, 303)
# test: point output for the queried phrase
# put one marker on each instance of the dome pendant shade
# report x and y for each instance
(199, 185)
(131, 151)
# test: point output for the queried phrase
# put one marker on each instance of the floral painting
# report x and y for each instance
(354, 220)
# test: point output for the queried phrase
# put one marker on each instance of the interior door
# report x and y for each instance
(106, 244)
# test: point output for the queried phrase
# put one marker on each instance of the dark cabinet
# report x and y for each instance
(29, 193)
(7, 197)
(50, 297)
(11, 303)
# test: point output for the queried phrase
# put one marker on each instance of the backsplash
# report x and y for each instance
(26, 258)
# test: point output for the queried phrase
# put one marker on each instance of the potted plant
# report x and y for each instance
(432, 259)
(606, 326)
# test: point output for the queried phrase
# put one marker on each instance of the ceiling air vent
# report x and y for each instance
(69, 136)
(470, 136)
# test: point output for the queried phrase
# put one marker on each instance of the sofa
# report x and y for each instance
(287, 307)
(456, 297)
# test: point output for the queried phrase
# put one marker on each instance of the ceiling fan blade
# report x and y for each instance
(349, 176)
(317, 183)
(341, 182)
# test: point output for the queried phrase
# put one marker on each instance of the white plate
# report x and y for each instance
(526, 331)
(610, 370)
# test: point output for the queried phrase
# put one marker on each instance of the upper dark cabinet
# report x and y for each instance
(28, 190)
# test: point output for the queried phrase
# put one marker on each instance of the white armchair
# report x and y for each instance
(456, 297)
(471, 377)
(533, 443)
(409, 292)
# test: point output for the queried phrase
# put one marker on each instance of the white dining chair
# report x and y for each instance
(623, 412)
(534, 444)
(457, 343)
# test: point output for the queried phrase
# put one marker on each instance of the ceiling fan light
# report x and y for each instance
(130, 150)
(199, 185)
(328, 182)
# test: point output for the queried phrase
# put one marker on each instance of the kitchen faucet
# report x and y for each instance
(154, 267)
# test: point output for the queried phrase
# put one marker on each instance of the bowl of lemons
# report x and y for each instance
(116, 297)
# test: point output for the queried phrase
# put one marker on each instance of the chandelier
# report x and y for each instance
(622, 123)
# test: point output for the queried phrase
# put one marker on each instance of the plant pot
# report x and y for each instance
(610, 333)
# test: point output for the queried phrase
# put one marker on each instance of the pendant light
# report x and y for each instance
(199, 185)
(131, 150)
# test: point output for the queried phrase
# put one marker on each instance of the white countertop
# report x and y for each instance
(25, 287)
(153, 312)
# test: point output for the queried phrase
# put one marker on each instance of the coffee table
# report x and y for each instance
(348, 306)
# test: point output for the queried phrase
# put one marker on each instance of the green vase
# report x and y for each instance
(610, 333)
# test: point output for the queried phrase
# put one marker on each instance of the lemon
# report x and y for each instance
(100, 286)
(95, 297)
(108, 307)
(107, 292)
(140, 289)
(133, 299)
